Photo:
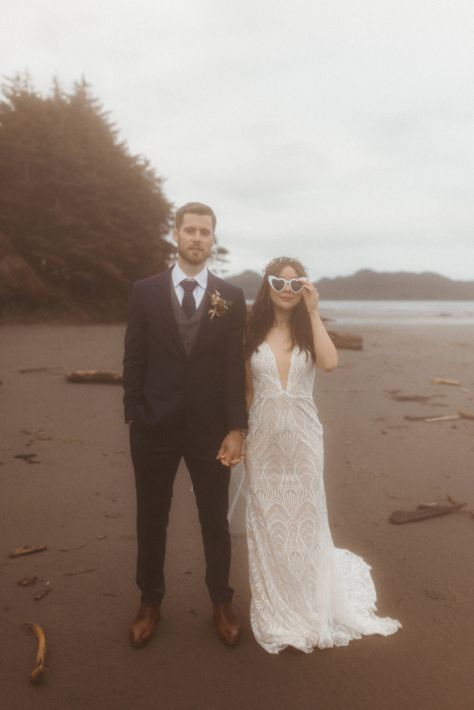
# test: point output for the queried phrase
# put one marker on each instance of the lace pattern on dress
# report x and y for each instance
(305, 592)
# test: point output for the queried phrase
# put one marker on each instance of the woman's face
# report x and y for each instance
(286, 300)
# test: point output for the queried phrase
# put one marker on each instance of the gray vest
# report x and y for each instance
(188, 327)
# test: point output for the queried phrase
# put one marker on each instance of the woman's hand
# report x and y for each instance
(324, 349)
(310, 296)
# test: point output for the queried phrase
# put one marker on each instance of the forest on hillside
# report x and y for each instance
(80, 216)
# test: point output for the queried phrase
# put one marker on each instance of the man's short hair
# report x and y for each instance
(194, 208)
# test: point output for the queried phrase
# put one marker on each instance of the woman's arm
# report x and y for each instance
(324, 348)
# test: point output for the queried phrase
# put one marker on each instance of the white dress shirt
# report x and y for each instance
(178, 275)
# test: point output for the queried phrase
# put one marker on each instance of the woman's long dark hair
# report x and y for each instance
(262, 314)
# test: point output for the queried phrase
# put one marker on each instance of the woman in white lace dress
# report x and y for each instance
(305, 592)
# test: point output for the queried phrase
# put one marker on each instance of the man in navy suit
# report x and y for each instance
(185, 398)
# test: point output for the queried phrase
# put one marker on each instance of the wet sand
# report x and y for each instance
(78, 499)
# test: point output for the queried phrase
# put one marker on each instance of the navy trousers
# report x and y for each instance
(156, 454)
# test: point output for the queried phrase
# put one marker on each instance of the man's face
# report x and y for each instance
(194, 238)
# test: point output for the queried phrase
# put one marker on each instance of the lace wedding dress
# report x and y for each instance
(305, 592)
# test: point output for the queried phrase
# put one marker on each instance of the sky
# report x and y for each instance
(336, 131)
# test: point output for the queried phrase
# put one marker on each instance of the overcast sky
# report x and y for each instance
(337, 131)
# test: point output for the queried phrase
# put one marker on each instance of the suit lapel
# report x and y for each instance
(167, 319)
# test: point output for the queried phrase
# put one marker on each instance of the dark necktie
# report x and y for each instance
(189, 304)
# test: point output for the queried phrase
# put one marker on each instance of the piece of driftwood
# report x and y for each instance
(43, 592)
(72, 549)
(20, 551)
(466, 415)
(95, 376)
(26, 581)
(346, 341)
(424, 512)
(445, 381)
(40, 658)
(29, 458)
(408, 397)
(25, 370)
(38, 435)
(445, 418)
(75, 574)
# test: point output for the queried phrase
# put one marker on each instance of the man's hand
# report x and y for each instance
(230, 452)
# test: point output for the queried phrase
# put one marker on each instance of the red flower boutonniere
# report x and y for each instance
(219, 306)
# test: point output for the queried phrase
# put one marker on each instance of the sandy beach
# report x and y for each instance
(76, 495)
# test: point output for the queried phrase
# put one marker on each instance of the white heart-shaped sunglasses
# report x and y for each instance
(279, 284)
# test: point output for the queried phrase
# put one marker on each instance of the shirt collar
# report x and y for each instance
(178, 275)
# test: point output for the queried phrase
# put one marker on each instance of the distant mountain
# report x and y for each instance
(395, 286)
(367, 285)
(249, 281)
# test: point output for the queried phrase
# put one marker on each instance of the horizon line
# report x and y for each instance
(366, 269)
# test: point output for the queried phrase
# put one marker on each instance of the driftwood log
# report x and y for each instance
(95, 376)
(346, 341)
(40, 659)
(445, 381)
(42, 593)
(30, 550)
(424, 512)
(443, 418)
(399, 397)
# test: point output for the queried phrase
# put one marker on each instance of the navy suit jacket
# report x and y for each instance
(203, 392)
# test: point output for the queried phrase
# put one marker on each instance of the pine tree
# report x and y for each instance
(83, 212)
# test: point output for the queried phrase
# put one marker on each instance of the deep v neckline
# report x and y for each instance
(284, 389)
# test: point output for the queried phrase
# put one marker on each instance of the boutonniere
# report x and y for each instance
(219, 306)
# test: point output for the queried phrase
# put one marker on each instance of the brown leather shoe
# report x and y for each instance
(226, 623)
(143, 627)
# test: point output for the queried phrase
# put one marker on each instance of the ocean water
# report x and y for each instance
(399, 312)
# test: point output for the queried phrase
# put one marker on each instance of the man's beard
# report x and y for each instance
(193, 256)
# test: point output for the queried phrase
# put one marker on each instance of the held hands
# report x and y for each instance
(310, 296)
(231, 450)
